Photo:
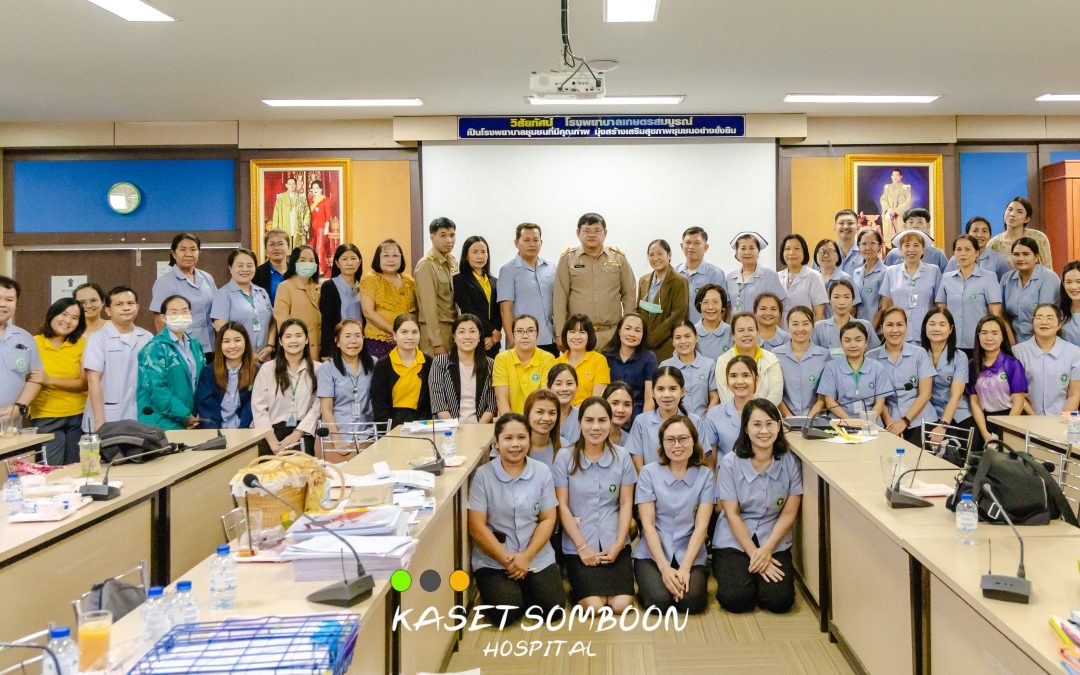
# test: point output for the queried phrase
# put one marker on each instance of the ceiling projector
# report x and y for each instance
(569, 83)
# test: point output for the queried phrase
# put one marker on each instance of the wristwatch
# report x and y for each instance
(23, 409)
(906, 421)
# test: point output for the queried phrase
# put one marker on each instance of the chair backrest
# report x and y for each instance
(949, 442)
(32, 643)
(119, 594)
(1068, 477)
(349, 438)
(12, 463)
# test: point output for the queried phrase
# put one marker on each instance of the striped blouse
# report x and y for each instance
(444, 383)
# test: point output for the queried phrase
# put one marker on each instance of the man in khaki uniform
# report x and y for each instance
(895, 201)
(292, 214)
(435, 288)
(595, 280)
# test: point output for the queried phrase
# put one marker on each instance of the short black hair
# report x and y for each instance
(802, 244)
(342, 250)
(591, 219)
(92, 286)
(1026, 241)
(917, 212)
(977, 219)
(174, 296)
(743, 448)
(464, 262)
(183, 236)
(845, 212)
(897, 170)
(441, 223)
(694, 229)
(290, 271)
(724, 302)
(855, 325)
(55, 310)
(526, 226)
(586, 325)
(117, 290)
(8, 282)
(1025, 203)
(235, 253)
(823, 243)
(376, 263)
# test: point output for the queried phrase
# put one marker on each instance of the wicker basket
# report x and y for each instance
(296, 478)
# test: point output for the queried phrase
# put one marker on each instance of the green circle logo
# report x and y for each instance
(536, 377)
(974, 297)
(1002, 376)
(611, 488)
(872, 385)
(780, 502)
(913, 379)
(1064, 377)
(20, 363)
(536, 506)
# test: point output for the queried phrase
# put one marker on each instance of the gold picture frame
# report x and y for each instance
(316, 210)
(866, 178)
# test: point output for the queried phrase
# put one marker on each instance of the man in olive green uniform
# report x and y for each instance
(435, 288)
(595, 280)
(291, 213)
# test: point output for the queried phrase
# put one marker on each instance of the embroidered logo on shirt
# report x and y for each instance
(1002, 376)
(611, 488)
(20, 363)
(536, 506)
(813, 378)
(535, 377)
(913, 379)
(974, 296)
(780, 502)
(871, 386)
(1064, 377)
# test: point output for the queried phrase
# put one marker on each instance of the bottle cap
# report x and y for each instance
(183, 586)
(899, 451)
(154, 592)
(966, 498)
(13, 475)
(448, 433)
(60, 632)
(223, 549)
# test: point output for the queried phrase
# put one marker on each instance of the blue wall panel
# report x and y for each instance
(988, 180)
(1056, 157)
(177, 195)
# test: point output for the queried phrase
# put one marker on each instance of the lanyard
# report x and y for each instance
(856, 373)
(294, 384)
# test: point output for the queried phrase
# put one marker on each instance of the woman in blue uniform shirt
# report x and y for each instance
(714, 332)
(594, 485)
(750, 280)
(906, 363)
(699, 371)
(722, 423)
(827, 260)
(563, 382)
(512, 513)
(1025, 288)
(911, 285)
(1069, 301)
(992, 261)
(242, 301)
(951, 366)
(758, 490)
(1051, 365)
(668, 390)
(968, 291)
(769, 312)
(344, 385)
(675, 498)
(853, 377)
(801, 362)
(841, 303)
(542, 411)
(869, 276)
(224, 393)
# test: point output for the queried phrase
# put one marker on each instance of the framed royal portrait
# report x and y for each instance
(307, 198)
(880, 188)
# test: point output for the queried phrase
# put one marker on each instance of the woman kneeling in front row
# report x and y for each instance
(758, 489)
(674, 497)
(511, 518)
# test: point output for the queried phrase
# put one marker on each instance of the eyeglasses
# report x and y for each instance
(524, 332)
(763, 426)
(677, 440)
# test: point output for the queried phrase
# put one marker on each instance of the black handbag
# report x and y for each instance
(128, 438)
(1026, 490)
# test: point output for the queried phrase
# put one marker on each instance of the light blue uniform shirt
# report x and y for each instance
(850, 261)
(838, 381)
(350, 299)
(546, 455)
(513, 507)
(705, 274)
(350, 391)
(987, 260)
(644, 436)
(230, 402)
(801, 376)
(1020, 301)
(117, 360)
(806, 288)
(761, 497)
(720, 428)
(200, 294)
(18, 356)
(1071, 329)
(531, 292)
(949, 371)
(868, 289)
(914, 365)
(827, 334)
(915, 295)
(713, 344)
(184, 347)
(676, 501)
(593, 492)
(968, 300)
(780, 337)
(743, 293)
(837, 275)
(570, 429)
(1048, 373)
(700, 379)
(931, 255)
(254, 311)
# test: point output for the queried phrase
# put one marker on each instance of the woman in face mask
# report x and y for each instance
(169, 368)
(298, 294)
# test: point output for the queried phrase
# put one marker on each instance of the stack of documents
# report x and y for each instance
(320, 558)
(401, 479)
(382, 521)
(429, 426)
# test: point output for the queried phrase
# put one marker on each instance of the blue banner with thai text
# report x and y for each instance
(602, 126)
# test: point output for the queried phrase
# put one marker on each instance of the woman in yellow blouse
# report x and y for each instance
(593, 373)
(386, 291)
(58, 407)
(298, 294)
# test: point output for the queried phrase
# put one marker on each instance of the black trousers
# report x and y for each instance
(738, 590)
(542, 589)
(653, 593)
(281, 430)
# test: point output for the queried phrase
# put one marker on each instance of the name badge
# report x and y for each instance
(650, 307)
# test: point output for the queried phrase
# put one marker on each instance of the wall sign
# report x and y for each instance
(602, 126)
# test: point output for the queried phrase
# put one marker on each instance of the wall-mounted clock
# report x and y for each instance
(124, 198)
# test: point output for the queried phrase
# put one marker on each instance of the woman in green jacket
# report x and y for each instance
(169, 367)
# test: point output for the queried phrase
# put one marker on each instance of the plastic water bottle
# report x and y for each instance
(967, 519)
(67, 653)
(449, 444)
(897, 465)
(1074, 428)
(155, 616)
(223, 579)
(13, 495)
(183, 607)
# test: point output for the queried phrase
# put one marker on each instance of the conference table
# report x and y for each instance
(21, 443)
(895, 587)
(268, 589)
(168, 514)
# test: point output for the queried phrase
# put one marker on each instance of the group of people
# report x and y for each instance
(674, 382)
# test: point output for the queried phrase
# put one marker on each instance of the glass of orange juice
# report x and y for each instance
(94, 630)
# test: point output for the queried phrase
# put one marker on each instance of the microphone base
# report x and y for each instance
(216, 443)
(898, 499)
(814, 434)
(344, 593)
(437, 467)
(99, 493)
(1006, 589)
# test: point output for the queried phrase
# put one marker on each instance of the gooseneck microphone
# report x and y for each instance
(344, 593)
(216, 443)
(898, 499)
(895, 390)
(435, 466)
(999, 586)
(102, 491)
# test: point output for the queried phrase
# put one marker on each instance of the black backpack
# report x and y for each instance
(127, 438)
(1026, 490)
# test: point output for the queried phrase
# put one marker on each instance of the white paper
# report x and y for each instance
(163, 268)
(64, 286)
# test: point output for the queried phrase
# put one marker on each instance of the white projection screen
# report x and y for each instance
(645, 191)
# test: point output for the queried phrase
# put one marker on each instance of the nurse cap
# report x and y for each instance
(746, 233)
(927, 239)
